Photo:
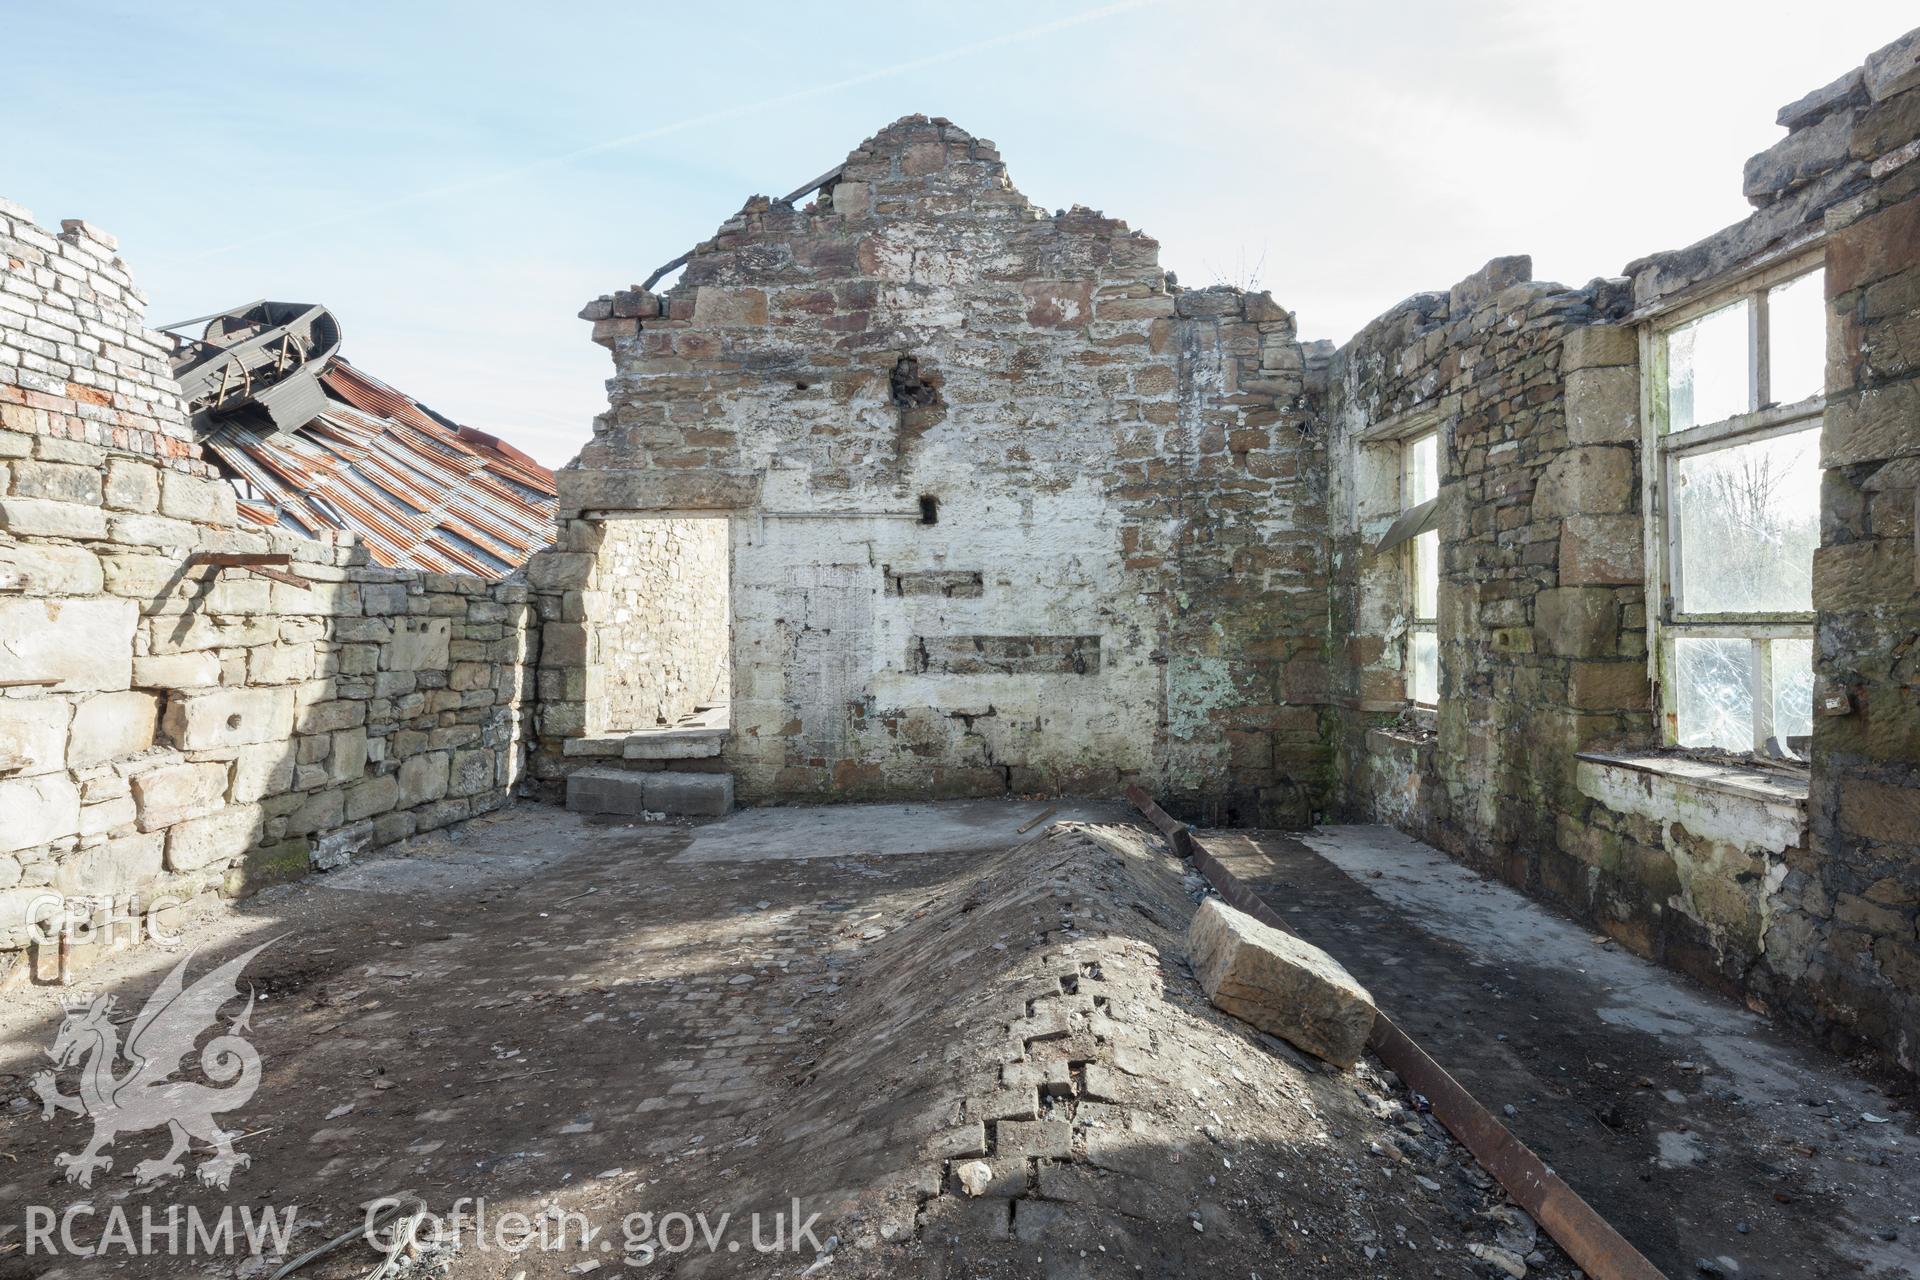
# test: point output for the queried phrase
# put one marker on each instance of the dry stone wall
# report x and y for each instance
(1010, 512)
(173, 731)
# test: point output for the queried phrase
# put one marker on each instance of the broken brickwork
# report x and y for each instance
(1010, 511)
(171, 731)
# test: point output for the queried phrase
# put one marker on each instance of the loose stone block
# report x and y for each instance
(1050, 1139)
(693, 794)
(606, 791)
(1279, 983)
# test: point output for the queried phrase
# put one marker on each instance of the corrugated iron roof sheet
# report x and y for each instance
(420, 491)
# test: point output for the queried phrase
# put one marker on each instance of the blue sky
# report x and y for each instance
(455, 180)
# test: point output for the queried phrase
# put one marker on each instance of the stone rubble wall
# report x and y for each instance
(1543, 616)
(171, 733)
(1861, 896)
(662, 646)
(1122, 574)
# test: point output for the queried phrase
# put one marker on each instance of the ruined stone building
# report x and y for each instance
(910, 489)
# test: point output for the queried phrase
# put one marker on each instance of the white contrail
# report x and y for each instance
(680, 126)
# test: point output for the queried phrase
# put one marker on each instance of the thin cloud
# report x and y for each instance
(894, 71)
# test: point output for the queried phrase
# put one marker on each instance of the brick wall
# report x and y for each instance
(171, 732)
(1117, 471)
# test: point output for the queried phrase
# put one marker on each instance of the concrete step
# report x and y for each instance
(633, 793)
(674, 744)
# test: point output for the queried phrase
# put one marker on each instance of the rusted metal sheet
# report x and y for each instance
(1588, 1238)
(418, 490)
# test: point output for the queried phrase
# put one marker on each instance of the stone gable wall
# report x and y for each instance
(171, 732)
(1123, 573)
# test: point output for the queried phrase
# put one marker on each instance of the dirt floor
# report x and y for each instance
(965, 1053)
(968, 1051)
(1717, 1143)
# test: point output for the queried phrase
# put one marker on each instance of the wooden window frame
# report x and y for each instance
(1665, 449)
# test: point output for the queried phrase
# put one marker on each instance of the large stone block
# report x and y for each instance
(111, 725)
(45, 518)
(423, 779)
(36, 810)
(1610, 686)
(49, 569)
(1601, 550)
(607, 791)
(1590, 480)
(177, 671)
(185, 497)
(116, 868)
(56, 482)
(1599, 346)
(33, 736)
(719, 308)
(1603, 406)
(691, 794)
(266, 771)
(217, 837)
(419, 644)
(176, 792)
(229, 717)
(1279, 983)
(80, 644)
(471, 773)
(1576, 622)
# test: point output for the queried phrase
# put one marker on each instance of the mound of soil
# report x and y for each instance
(1022, 1077)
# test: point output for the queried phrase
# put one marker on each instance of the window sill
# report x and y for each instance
(1749, 807)
(1753, 782)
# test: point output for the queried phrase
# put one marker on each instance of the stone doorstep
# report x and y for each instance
(674, 744)
(633, 793)
(652, 744)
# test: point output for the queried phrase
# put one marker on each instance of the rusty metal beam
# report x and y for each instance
(1588, 1238)
(265, 565)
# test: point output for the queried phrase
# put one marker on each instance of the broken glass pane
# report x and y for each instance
(1423, 681)
(1713, 693)
(1423, 470)
(1749, 518)
(1797, 339)
(1792, 688)
(1426, 576)
(1708, 368)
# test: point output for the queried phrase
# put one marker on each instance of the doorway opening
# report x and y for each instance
(661, 657)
